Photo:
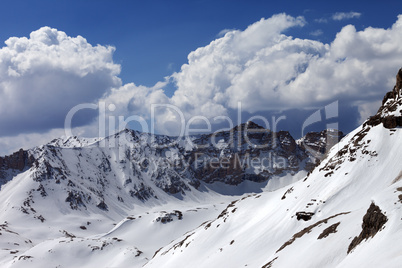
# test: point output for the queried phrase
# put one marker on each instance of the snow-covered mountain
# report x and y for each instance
(140, 165)
(76, 187)
(346, 213)
(138, 200)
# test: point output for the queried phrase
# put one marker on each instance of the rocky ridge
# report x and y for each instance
(144, 166)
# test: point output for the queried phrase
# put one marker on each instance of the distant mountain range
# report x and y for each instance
(141, 161)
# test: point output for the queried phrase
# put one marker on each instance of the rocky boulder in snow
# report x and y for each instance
(373, 222)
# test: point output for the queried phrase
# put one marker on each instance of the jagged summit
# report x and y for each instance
(248, 125)
(319, 143)
(390, 112)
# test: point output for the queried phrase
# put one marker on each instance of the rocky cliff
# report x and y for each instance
(14, 164)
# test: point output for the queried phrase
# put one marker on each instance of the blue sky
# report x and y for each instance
(277, 57)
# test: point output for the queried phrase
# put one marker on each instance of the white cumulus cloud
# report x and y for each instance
(42, 77)
(266, 70)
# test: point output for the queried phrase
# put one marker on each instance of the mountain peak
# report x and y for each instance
(249, 125)
(390, 112)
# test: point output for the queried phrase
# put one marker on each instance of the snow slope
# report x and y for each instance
(264, 230)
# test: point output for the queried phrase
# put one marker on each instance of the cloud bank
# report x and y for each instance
(266, 70)
(42, 77)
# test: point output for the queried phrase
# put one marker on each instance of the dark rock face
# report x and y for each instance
(15, 163)
(392, 121)
(398, 84)
(169, 217)
(388, 95)
(390, 103)
(330, 230)
(142, 192)
(234, 156)
(318, 144)
(288, 191)
(387, 121)
(18, 161)
(373, 221)
(102, 205)
(305, 216)
(308, 230)
(270, 263)
(75, 199)
(171, 182)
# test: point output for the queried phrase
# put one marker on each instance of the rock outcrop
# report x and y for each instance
(389, 114)
(18, 161)
(373, 222)
(318, 144)
(247, 152)
(398, 84)
(13, 164)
